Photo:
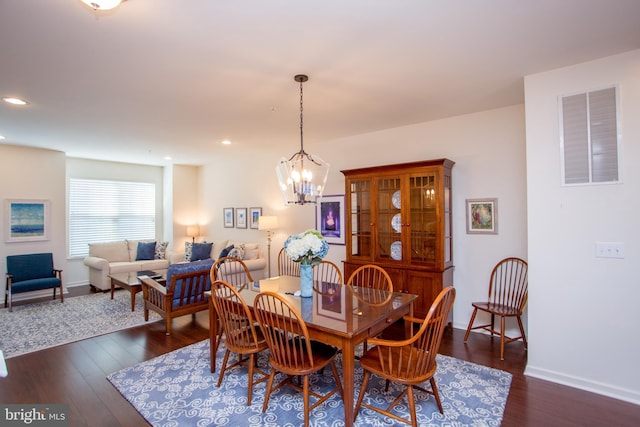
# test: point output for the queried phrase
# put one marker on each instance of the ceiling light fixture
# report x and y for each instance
(303, 177)
(102, 4)
(14, 101)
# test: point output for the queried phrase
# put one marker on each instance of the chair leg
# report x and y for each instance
(363, 388)
(473, 317)
(501, 337)
(224, 367)
(272, 375)
(436, 394)
(61, 294)
(524, 338)
(305, 392)
(412, 406)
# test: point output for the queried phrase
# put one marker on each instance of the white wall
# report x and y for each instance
(489, 151)
(583, 310)
(30, 173)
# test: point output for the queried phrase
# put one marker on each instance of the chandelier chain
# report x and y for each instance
(301, 109)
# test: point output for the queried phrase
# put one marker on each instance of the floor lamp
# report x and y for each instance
(268, 224)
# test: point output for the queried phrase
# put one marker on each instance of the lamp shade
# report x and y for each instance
(302, 178)
(267, 222)
(193, 231)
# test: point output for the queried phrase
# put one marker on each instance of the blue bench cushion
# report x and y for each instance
(188, 267)
(35, 284)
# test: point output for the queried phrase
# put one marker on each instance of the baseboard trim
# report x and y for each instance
(631, 396)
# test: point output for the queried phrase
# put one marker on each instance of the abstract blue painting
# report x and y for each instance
(27, 220)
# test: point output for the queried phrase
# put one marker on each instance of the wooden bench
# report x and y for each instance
(182, 293)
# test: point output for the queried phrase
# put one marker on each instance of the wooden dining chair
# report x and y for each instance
(235, 272)
(292, 352)
(374, 284)
(408, 362)
(286, 266)
(232, 270)
(507, 297)
(243, 337)
(327, 278)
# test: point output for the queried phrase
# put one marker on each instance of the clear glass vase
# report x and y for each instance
(306, 280)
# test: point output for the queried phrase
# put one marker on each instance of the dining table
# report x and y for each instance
(335, 314)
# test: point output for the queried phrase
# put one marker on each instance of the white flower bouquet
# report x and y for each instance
(307, 248)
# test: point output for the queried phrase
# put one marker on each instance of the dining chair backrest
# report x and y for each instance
(286, 334)
(374, 284)
(286, 266)
(508, 283)
(417, 359)
(327, 278)
(235, 317)
(232, 270)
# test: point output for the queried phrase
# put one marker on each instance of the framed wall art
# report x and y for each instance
(26, 220)
(330, 219)
(241, 217)
(482, 216)
(227, 214)
(254, 214)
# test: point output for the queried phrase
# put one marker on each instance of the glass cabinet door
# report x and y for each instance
(389, 226)
(423, 218)
(360, 211)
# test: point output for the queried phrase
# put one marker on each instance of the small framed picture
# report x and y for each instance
(241, 217)
(330, 219)
(26, 220)
(254, 214)
(482, 216)
(227, 213)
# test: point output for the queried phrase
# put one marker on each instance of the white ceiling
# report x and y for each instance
(160, 78)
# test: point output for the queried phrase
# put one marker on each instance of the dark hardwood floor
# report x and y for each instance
(75, 374)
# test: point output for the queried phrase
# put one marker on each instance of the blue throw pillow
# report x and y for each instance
(225, 251)
(146, 251)
(201, 251)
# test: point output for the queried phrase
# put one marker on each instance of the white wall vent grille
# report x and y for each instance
(590, 144)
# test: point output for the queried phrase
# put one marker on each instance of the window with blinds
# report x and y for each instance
(589, 137)
(103, 211)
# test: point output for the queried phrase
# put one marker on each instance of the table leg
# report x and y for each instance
(348, 378)
(133, 300)
(113, 288)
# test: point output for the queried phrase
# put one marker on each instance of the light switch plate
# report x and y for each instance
(609, 250)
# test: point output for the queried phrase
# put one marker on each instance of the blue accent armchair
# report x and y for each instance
(32, 272)
(182, 293)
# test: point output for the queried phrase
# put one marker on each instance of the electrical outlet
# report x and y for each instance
(609, 250)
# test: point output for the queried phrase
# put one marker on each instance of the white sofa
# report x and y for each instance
(252, 256)
(118, 257)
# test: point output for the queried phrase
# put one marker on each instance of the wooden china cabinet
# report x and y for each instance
(399, 217)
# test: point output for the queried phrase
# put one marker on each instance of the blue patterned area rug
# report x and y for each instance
(37, 326)
(178, 389)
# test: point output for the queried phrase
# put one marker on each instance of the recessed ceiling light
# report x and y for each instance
(226, 142)
(14, 101)
(2, 137)
(168, 158)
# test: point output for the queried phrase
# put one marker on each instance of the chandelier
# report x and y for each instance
(302, 178)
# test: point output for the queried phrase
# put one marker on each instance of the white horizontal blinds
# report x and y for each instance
(604, 141)
(103, 211)
(590, 137)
